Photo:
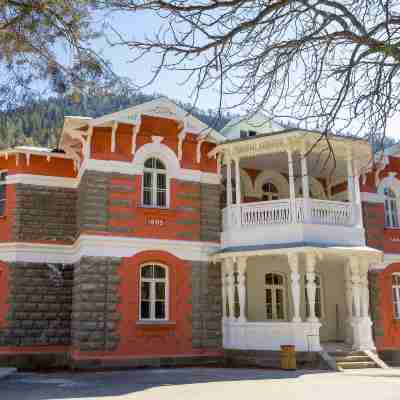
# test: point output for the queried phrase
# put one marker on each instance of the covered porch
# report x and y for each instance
(301, 296)
(292, 187)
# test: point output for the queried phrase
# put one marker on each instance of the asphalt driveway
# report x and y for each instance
(203, 383)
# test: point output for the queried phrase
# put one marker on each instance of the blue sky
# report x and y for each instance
(169, 83)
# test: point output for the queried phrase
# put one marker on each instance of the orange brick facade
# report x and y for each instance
(86, 203)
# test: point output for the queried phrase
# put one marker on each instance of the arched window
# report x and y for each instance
(269, 192)
(396, 294)
(318, 297)
(155, 188)
(391, 213)
(153, 292)
(275, 296)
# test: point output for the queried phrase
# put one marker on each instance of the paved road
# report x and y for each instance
(202, 384)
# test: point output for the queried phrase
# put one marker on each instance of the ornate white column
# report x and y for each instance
(311, 287)
(364, 288)
(355, 286)
(293, 259)
(357, 197)
(237, 181)
(305, 186)
(228, 181)
(361, 322)
(349, 303)
(350, 180)
(230, 287)
(241, 270)
(224, 291)
(292, 189)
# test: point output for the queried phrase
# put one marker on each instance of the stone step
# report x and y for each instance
(356, 365)
(346, 353)
(351, 358)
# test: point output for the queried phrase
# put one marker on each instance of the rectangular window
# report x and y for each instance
(243, 134)
(252, 133)
(3, 193)
(396, 295)
(153, 293)
(147, 189)
(161, 190)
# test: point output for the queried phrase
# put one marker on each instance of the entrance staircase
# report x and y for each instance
(341, 357)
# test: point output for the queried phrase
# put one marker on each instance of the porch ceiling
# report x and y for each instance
(318, 165)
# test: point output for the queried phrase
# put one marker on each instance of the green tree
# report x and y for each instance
(45, 46)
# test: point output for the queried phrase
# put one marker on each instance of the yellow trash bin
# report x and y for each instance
(288, 357)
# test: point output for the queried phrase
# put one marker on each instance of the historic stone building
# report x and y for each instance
(133, 244)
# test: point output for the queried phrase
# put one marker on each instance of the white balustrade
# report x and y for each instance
(331, 213)
(280, 212)
(266, 213)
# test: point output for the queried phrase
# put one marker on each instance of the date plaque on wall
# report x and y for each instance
(155, 222)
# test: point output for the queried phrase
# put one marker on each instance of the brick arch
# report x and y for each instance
(4, 289)
(158, 339)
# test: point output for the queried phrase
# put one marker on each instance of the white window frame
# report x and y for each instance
(153, 291)
(391, 210)
(3, 180)
(154, 172)
(396, 295)
(318, 288)
(273, 289)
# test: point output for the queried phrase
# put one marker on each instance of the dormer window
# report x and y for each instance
(155, 185)
(391, 210)
(3, 190)
(244, 134)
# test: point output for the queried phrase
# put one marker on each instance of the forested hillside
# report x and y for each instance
(39, 123)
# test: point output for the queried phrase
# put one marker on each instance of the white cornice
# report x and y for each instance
(42, 180)
(175, 172)
(104, 246)
(388, 259)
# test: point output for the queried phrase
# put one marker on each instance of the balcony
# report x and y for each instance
(292, 221)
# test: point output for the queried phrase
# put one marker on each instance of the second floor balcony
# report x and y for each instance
(285, 197)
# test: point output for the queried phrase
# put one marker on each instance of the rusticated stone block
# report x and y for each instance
(38, 292)
(44, 213)
(210, 212)
(206, 324)
(95, 304)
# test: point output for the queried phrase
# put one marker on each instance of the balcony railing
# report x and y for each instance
(283, 212)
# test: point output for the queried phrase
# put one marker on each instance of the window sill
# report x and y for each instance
(153, 207)
(155, 323)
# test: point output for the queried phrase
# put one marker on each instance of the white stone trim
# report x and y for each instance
(374, 254)
(388, 259)
(372, 197)
(42, 180)
(104, 246)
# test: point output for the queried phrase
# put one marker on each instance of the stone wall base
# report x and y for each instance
(271, 359)
(35, 361)
(147, 362)
(390, 357)
(230, 358)
(56, 361)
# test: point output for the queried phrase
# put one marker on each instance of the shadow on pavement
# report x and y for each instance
(88, 385)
